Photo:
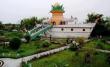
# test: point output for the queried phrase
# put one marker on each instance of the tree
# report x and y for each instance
(107, 24)
(1, 26)
(100, 28)
(15, 43)
(29, 23)
(93, 17)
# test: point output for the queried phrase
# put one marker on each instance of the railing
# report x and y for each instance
(38, 32)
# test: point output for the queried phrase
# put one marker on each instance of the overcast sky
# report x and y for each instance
(11, 11)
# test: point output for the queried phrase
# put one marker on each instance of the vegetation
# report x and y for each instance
(93, 17)
(97, 43)
(29, 23)
(102, 24)
(15, 43)
(69, 59)
(46, 43)
(27, 37)
(80, 40)
(27, 49)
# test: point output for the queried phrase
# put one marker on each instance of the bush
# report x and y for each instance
(46, 43)
(15, 43)
(27, 37)
(99, 45)
(80, 40)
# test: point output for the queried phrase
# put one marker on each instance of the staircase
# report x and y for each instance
(37, 32)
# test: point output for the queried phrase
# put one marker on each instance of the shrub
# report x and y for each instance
(46, 43)
(27, 37)
(99, 45)
(20, 51)
(15, 43)
(80, 40)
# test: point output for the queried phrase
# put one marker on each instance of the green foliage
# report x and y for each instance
(24, 64)
(15, 43)
(102, 24)
(46, 43)
(28, 38)
(1, 26)
(29, 23)
(100, 44)
(69, 59)
(11, 35)
(80, 40)
(93, 16)
(107, 24)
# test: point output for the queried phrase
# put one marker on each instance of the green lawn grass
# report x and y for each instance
(26, 49)
(11, 35)
(68, 58)
(94, 43)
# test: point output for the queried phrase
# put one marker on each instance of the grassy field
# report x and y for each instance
(11, 35)
(68, 58)
(97, 43)
(26, 49)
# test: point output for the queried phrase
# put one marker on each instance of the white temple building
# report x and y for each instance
(67, 27)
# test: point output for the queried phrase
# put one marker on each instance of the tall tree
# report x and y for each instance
(100, 27)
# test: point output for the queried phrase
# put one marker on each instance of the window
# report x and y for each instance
(62, 23)
(62, 29)
(71, 29)
(54, 23)
(83, 29)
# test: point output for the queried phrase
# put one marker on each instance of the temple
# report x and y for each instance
(67, 27)
(57, 14)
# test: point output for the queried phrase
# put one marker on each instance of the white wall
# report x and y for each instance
(57, 32)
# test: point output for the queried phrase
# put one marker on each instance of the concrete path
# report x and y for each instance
(105, 51)
(8, 62)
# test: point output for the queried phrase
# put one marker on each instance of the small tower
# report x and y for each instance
(57, 14)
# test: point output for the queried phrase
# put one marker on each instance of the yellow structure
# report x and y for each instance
(57, 14)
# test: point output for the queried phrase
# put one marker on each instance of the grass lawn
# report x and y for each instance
(97, 43)
(26, 49)
(68, 58)
(11, 35)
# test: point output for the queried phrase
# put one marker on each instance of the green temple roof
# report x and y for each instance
(57, 7)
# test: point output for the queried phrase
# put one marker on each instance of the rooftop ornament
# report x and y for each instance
(57, 8)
